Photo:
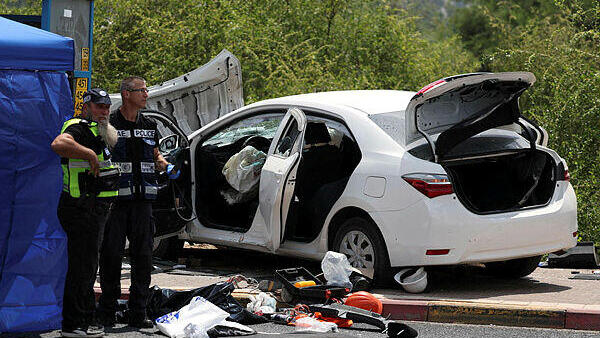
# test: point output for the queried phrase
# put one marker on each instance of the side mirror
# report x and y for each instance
(169, 143)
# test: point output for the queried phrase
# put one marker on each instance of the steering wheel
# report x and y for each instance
(259, 142)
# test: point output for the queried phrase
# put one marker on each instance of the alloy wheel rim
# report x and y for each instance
(359, 250)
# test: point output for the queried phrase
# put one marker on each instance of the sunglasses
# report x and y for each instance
(142, 90)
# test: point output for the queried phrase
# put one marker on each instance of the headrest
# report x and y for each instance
(316, 132)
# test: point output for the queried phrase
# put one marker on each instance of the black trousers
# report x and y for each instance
(83, 223)
(131, 220)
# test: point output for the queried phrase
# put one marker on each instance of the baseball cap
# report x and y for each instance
(96, 95)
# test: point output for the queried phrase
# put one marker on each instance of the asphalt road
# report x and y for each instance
(425, 330)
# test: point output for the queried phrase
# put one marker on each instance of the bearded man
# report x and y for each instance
(90, 184)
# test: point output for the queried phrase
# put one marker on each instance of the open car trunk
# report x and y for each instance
(503, 182)
(474, 129)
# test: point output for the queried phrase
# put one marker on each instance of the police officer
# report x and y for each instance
(136, 154)
(90, 183)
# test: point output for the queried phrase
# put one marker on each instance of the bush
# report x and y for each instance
(285, 47)
(564, 53)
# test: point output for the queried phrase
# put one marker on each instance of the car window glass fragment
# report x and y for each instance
(286, 142)
(262, 125)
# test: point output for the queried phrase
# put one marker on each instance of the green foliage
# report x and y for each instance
(482, 24)
(297, 46)
(285, 47)
(21, 7)
(563, 51)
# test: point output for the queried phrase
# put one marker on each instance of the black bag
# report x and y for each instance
(163, 301)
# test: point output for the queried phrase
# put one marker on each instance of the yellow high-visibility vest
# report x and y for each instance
(75, 167)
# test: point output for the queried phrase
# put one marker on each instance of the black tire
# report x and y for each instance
(381, 263)
(169, 248)
(514, 268)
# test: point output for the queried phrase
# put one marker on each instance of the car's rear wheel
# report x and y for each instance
(514, 268)
(359, 239)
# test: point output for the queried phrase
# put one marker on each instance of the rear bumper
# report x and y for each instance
(444, 223)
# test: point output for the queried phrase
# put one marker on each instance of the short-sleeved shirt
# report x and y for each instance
(83, 135)
(138, 136)
(142, 123)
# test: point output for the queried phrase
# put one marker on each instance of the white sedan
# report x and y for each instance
(448, 175)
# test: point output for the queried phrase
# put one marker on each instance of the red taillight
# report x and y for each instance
(567, 176)
(437, 252)
(429, 86)
(431, 185)
(575, 234)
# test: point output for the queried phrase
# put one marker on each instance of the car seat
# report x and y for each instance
(320, 160)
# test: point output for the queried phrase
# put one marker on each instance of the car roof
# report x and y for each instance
(368, 101)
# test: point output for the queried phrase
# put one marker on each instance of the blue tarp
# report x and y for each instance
(26, 47)
(35, 100)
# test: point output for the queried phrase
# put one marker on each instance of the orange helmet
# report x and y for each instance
(364, 300)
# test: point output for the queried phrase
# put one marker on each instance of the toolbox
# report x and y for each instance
(317, 293)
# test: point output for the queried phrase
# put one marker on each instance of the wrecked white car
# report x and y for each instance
(451, 174)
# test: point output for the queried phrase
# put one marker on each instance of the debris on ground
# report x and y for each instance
(319, 304)
(581, 256)
(364, 300)
(336, 269)
(413, 280)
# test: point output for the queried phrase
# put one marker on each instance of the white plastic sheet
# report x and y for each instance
(336, 269)
(196, 318)
(262, 303)
(242, 170)
(310, 324)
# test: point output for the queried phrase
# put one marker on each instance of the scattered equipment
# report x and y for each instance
(581, 256)
(413, 280)
(318, 292)
(356, 315)
(364, 300)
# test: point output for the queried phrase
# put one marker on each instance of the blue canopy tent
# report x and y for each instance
(35, 100)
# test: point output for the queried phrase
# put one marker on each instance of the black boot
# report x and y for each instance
(139, 321)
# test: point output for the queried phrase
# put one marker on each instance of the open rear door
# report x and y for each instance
(278, 176)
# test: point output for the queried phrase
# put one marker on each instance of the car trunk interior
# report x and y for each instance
(321, 178)
(503, 182)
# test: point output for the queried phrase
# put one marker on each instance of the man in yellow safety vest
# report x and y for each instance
(90, 183)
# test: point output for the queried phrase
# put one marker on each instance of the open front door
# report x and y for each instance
(172, 209)
(278, 176)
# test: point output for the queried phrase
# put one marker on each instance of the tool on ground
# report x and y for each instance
(336, 310)
(308, 294)
(305, 283)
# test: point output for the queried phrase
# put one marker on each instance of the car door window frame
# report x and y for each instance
(183, 142)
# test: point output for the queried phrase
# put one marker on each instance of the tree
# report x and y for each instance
(285, 47)
(563, 51)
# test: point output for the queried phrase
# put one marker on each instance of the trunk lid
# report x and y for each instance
(458, 107)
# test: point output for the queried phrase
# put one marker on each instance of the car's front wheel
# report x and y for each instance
(514, 268)
(359, 239)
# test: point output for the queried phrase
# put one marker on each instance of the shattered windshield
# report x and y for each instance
(263, 125)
